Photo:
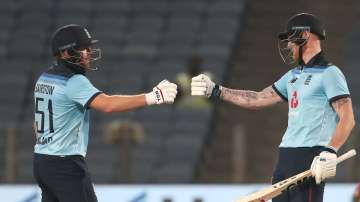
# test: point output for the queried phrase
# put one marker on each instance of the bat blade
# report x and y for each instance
(276, 189)
(280, 187)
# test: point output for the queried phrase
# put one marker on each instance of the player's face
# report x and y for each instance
(289, 48)
(294, 51)
(85, 57)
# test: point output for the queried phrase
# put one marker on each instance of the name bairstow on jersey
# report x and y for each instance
(44, 89)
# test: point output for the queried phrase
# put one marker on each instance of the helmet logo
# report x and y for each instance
(87, 33)
(307, 28)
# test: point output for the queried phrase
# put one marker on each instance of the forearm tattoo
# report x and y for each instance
(239, 96)
(247, 98)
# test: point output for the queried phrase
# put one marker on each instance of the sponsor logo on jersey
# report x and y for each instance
(294, 103)
(293, 80)
(42, 140)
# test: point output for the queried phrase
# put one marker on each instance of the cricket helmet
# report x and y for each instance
(71, 37)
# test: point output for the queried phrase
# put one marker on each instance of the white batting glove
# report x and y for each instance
(202, 85)
(164, 92)
(324, 166)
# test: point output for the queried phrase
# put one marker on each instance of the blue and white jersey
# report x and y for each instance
(61, 112)
(309, 91)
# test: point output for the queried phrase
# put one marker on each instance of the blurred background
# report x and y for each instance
(194, 141)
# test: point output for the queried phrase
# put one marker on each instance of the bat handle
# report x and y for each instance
(347, 155)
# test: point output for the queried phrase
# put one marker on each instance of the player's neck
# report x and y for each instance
(310, 51)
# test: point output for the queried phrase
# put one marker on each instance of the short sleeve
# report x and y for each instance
(280, 86)
(334, 84)
(80, 90)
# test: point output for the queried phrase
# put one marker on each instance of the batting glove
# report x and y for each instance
(324, 166)
(202, 85)
(164, 92)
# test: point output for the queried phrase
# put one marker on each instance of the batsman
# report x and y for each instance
(63, 98)
(320, 115)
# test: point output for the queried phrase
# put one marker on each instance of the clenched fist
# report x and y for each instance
(202, 85)
(164, 92)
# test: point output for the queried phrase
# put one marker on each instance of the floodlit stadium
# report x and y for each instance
(231, 119)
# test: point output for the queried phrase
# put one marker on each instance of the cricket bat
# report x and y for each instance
(278, 188)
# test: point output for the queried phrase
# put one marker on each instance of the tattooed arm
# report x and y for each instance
(251, 99)
(344, 110)
(202, 85)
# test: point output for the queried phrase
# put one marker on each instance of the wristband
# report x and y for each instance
(331, 149)
(216, 92)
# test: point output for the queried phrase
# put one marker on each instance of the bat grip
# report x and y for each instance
(347, 155)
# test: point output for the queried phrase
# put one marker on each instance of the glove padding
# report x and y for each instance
(164, 92)
(324, 166)
(202, 85)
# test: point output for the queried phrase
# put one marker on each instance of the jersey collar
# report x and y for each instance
(70, 67)
(318, 61)
(62, 68)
